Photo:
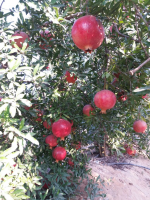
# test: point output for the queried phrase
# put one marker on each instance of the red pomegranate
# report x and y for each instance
(122, 96)
(51, 140)
(76, 145)
(46, 125)
(59, 153)
(46, 35)
(87, 110)
(70, 162)
(131, 151)
(70, 79)
(105, 99)
(140, 126)
(21, 40)
(61, 128)
(88, 33)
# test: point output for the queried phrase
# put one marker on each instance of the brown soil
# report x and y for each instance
(122, 182)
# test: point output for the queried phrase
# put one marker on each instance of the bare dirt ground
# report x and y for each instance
(122, 182)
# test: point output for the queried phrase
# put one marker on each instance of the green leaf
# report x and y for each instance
(3, 107)
(20, 89)
(21, 146)
(12, 111)
(21, 124)
(13, 155)
(32, 139)
(7, 196)
(26, 102)
(36, 69)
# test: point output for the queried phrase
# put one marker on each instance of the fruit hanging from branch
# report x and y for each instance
(105, 99)
(19, 41)
(140, 126)
(59, 153)
(87, 110)
(70, 79)
(88, 33)
(51, 140)
(131, 151)
(61, 128)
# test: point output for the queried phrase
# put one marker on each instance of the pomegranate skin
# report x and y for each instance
(20, 41)
(140, 126)
(51, 140)
(87, 110)
(61, 128)
(88, 33)
(70, 79)
(130, 151)
(105, 99)
(59, 153)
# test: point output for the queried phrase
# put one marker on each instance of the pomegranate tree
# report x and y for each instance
(70, 79)
(61, 128)
(59, 153)
(51, 140)
(19, 42)
(87, 110)
(105, 99)
(88, 33)
(140, 126)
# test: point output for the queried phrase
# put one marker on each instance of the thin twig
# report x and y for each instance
(126, 36)
(74, 15)
(2, 4)
(139, 14)
(144, 48)
(128, 164)
(131, 72)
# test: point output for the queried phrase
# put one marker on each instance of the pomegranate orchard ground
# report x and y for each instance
(123, 182)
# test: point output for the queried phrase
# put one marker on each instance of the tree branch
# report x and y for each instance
(131, 72)
(122, 35)
(139, 14)
(2, 4)
(74, 15)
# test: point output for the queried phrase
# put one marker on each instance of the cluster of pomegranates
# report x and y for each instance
(60, 129)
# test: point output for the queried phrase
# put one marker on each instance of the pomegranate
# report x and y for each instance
(121, 96)
(46, 35)
(61, 128)
(46, 125)
(139, 126)
(87, 110)
(51, 140)
(105, 99)
(59, 153)
(70, 79)
(70, 162)
(131, 151)
(88, 33)
(77, 146)
(21, 40)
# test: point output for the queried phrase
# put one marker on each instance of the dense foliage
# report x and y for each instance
(36, 87)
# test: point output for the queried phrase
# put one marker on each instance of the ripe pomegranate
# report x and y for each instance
(121, 96)
(46, 125)
(87, 110)
(70, 162)
(21, 40)
(46, 35)
(59, 153)
(51, 140)
(139, 126)
(77, 146)
(70, 79)
(88, 33)
(131, 151)
(61, 128)
(105, 99)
